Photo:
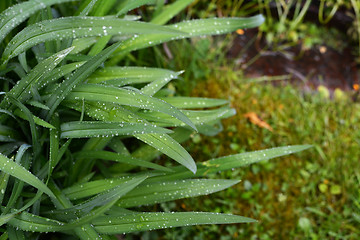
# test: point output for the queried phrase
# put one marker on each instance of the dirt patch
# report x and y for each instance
(320, 65)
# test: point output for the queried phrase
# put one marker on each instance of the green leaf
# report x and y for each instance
(158, 192)
(37, 120)
(194, 102)
(77, 27)
(79, 75)
(170, 147)
(230, 162)
(10, 167)
(88, 189)
(15, 15)
(101, 93)
(120, 76)
(121, 158)
(197, 117)
(162, 142)
(191, 29)
(128, 5)
(170, 11)
(105, 129)
(30, 222)
(101, 199)
(22, 90)
(133, 222)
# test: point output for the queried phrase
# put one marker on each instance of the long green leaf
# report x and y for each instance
(197, 117)
(15, 170)
(15, 15)
(78, 27)
(120, 76)
(106, 129)
(121, 158)
(191, 29)
(92, 188)
(170, 11)
(146, 194)
(230, 162)
(79, 75)
(100, 93)
(194, 102)
(22, 90)
(133, 222)
(30, 222)
(99, 200)
(128, 5)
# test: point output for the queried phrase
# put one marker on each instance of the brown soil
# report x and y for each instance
(320, 65)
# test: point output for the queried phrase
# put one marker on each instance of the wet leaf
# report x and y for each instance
(133, 222)
(146, 194)
(105, 129)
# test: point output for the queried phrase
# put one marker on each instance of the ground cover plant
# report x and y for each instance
(81, 135)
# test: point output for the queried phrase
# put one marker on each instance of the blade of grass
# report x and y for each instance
(15, 15)
(128, 5)
(230, 162)
(79, 75)
(22, 90)
(190, 28)
(101, 199)
(78, 27)
(168, 191)
(170, 11)
(10, 167)
(127, 223)
(121, 158)
(100, 93)
(105, 129)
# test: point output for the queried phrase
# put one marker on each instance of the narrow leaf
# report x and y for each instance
(106, 129)
(146, 194)
(15, 15)
(10, 167)
(100, 93)
(121, 158)
(77, 27)
(133, 222)
(230, 162)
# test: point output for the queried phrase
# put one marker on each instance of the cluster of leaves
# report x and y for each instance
(81, 135)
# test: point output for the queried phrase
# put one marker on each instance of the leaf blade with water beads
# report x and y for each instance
(159, 192)
(192, 28)
(22, 90)
(13, 16)
(89, 129)
(88, 189)
(194, 102)
(197, 117)
(101, 93)
(78, 27)
(72, 213)
(230, 162)
(121, 158)
(31, 222)
(120, 76)
(79, 75)
(162, 142)
(145, 221)
(128, 5)
(17, 171)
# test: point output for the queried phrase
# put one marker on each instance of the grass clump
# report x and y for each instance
(81, 135)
